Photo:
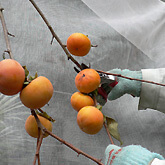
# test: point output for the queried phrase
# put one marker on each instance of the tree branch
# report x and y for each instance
(6, 33)
(55, 35)
(73, 148)
(109, 135)
(44, 130)
(130, 78)
(40, 137)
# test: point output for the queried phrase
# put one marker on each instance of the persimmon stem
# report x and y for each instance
(54, 34)
(6, 33)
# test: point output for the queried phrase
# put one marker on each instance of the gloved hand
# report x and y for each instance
(129, 155)
(124, 85)
(114, 91)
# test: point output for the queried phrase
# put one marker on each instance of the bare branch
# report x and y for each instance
(54, 34)
(130, 78)
(39, 142)
(109, 135)
(5, 33)
(44, 130)
(73, 148)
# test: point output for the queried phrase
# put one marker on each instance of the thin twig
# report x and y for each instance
(100, 108)
(54, 34)
(38, 144)
(130, 78)
(109, 135)
(6, 34)
(40, 137)
(10, 34)
(94, 45)
(38, 148)
(74, 148)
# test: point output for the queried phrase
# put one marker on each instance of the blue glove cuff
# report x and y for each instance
(130, 155)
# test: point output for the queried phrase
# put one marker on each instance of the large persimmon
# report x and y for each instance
(78, 44)
(87, 80)
(90, 119)
(12, 76)
(31, 126)
(37, 93)
(79, 100)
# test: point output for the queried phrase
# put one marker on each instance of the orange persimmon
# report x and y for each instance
(79, 100)
(12, 76)
(37, 93)
(31, 126)
(87, 80)
(90, 119)
(78, 44)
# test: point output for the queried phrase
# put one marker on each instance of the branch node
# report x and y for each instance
(94, 45)
(1, 9)
(7, 51)
(5, 31)
(52, 40)
(53, 33)
(10, 34)
(69, 58)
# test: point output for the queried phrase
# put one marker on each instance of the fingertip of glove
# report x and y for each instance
(112, 96)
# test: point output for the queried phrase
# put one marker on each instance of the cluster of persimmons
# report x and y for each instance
(35, 93)
(89, 118)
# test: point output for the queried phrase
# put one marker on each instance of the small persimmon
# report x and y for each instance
(90, 119)
(37, 93)
(78, 44)
(79, 100)
(12, 76)
(31, 126)
(87, 80)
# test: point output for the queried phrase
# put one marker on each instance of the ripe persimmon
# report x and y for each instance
(31, 126)
(79, 100)
(78, 44)
(87, 80)
(12, 76)
(90, 119)
(37, 93)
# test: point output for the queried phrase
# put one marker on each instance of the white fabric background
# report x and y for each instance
(141, 22)
(31, 47)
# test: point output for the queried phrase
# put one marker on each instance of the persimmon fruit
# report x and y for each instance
(31, 126)
(87, 80)
(90, 119)
(78, 44)
(37, 93)
(79, 100)
(12, 76)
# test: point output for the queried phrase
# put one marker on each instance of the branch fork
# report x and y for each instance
(6, 33)
(43, 130)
